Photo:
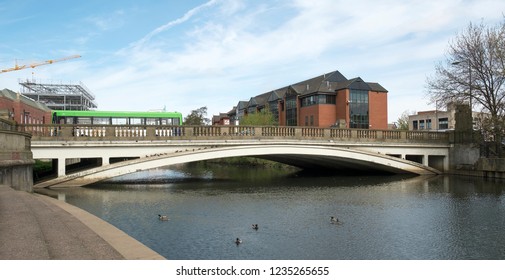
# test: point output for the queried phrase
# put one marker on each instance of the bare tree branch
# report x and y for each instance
(474, 71)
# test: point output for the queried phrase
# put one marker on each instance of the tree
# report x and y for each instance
(264, 117)
(197, 117)
(474, 72)
(403, 121)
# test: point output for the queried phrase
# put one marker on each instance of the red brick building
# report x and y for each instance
(324, 101)
(23, 110)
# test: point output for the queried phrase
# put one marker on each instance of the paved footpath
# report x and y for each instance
(37, 227)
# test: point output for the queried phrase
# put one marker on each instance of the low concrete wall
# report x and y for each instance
(16, 160)
(491, 167)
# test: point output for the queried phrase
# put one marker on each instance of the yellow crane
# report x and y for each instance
(36, 64)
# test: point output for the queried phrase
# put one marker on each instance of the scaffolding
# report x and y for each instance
(59, 96)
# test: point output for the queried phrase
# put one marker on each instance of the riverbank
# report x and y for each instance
(38, 227)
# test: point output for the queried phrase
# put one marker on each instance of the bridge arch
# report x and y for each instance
(303, 156)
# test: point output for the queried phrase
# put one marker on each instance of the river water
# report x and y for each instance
(380, 217)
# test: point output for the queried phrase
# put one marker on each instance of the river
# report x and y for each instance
(380, 217)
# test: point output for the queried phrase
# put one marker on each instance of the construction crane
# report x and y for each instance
(36, 64)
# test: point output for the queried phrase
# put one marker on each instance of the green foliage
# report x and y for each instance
(197, 117)
(264, 117)
(42, 166)
(403, 121)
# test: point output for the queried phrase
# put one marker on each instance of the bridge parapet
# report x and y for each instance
(139, 132)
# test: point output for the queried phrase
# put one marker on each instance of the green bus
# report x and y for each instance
(116, 118)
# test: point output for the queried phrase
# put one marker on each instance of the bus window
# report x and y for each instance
(152, 121)
(118, 121)
(82, 120)
(135, 121)
(166, 121)
(101, 121)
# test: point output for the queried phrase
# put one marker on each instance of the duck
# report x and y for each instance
(238, 241)
(255, 226)
(333, 220)
(163, 217)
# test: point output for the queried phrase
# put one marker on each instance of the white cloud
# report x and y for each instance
(221, 52)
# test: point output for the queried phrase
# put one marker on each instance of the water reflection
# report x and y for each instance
(384, 217)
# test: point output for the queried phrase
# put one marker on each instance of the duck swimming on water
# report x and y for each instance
(238, 241)
(255, 226)
(333, 220)
(163, 217)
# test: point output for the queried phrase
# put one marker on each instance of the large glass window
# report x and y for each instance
(414, 125)
(318, 99)
(291, 115)
(358, 109)
(274, 109)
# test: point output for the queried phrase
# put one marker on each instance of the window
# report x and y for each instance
(311, 120)
(274, 109)
(421, 125)
(309, 100)
(318, 99)
(428, 124)
(327, 99)
(84, 120)
(358, 109)
(167, 121)
(118, 121)
(175, 121)
(414, 125)
(135, 121)
(443, 123)
(291, 115)
(101, 121)
(152, 121)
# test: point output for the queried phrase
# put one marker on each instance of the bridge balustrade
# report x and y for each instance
(313, 132)
(392, 134)
(137, 132)
(340, 133)
(278, 131)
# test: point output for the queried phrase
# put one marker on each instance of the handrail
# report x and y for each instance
(67, 132)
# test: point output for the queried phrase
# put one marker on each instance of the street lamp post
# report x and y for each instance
(467, 61)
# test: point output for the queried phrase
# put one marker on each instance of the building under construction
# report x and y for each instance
(59, 96)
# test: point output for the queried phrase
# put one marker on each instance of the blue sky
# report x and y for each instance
(182, 55)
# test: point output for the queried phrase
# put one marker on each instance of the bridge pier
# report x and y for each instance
(61, 166)
(105, 161)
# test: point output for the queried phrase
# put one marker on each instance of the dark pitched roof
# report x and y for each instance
(259, 100)
(232, 112)
(277, 94)
(242, 104)
(323, 83)
(356, 83)
(377, 87)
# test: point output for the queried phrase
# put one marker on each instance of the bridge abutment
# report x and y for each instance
(16, 159)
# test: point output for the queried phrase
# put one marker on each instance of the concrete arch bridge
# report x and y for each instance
(146, 148)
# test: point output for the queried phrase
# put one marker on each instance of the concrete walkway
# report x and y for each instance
(37, 227)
